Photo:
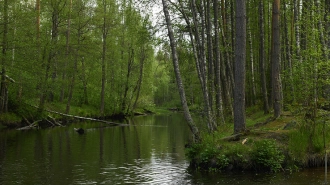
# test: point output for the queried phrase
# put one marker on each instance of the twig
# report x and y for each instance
(31, 126)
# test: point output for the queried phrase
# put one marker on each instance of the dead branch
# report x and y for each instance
(82, 118)
(31, 126)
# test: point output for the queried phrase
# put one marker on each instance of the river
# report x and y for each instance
(149, 151)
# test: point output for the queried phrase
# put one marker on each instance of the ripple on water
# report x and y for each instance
(146, 171)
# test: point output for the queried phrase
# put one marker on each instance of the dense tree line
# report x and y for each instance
(268, 53)
(76, 52)
(228, 55)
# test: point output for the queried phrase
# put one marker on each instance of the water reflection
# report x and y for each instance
(151, 171)
(149, 151)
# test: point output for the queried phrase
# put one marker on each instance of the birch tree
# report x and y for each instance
(191, 124)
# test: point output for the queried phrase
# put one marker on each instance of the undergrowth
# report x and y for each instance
(289, 143)
(257, 155)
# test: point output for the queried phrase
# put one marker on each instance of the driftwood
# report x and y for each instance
(83, 118)
(235, 137)
(54, 121)
(31, 126)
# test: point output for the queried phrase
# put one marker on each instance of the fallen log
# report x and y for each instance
(235, 137)
(83, 118)
(31, 126)
(54, 121)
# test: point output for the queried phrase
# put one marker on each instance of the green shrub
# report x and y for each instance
(267, 154)
(303, 142)
(192, 151)
(239, 155)
(298, 145)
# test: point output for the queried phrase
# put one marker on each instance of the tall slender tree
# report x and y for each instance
(73, 74)
(262, 58)
(201, 61)
(104, 52)
(4, 88)
(240, 60)
(276, 60)
(218, 97)
(191, 124)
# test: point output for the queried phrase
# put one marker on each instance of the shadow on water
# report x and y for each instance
(149, 151)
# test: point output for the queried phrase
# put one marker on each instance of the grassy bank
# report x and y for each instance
(291, 142)
(25, 114)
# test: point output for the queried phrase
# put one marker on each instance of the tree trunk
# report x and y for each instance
(67, 111)
(68, 32)
(53, 51)
(104, 50)
(226, 72)
(38, 20)
(45, 89)
(202, 66)
(209, 52)
(218, 97)
(240, 60)
(276, 58)
(327, 24)
(84, 81)
(321, 32)
(129, 71)
(288, 55)
(139, 83)
(192, 126)
(262, 58)
(253, 85)
(196, 45)
(297, 28)
(4, 88)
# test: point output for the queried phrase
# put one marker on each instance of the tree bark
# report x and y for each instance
(218, 97)
(104, 50)
(297, 28)
(191, 124)
(4, 88)
(128, 74)
(45, 89)
(276, 58)
(84, 81)
(321, 32)
(200, 41)
(288, 55)
(262, 58)
(73, 74)
(38, 20)
(240, 60)
(226, 70)
(139, 83)
(209, 52)
(253, 88)
(196, 45)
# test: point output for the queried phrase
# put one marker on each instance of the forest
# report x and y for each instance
(271, 54)
(104, 57)
(89, 58)
(222, 61)
(255, 55)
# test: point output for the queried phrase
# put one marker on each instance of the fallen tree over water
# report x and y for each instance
(49, 121)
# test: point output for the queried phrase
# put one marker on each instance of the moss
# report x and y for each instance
(268, 145)
(10, 119)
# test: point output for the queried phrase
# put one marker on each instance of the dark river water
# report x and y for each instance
(149, 151)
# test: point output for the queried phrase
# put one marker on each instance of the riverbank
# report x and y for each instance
(54, 115)
(289, 143)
